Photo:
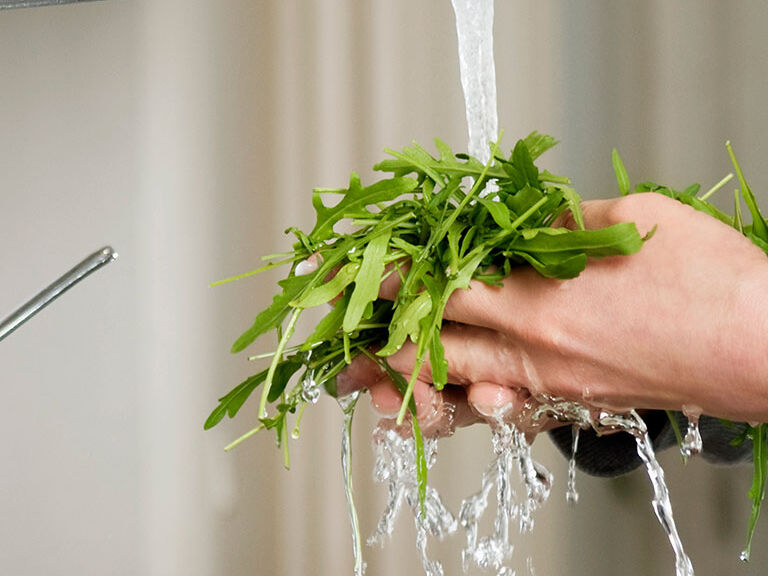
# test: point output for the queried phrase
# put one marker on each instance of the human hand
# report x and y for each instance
(679, 323)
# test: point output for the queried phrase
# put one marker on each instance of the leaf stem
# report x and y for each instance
(409, 391)
(527, 214)
(276, 360)
(244, 437)
(676, 429)
(421, 467)
(716, 187)
(299, 416)
(286, 449)
(475, 188)
(253, 272)
(757, 493)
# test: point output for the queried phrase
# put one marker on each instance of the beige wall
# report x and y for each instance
(188, 134)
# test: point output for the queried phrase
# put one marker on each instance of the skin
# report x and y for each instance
(681, 323)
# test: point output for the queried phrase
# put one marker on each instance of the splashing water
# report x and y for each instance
(474, 27)
(571, 495)
(396, 465)
(538, 411)
(510, 447)
(348, 404)
(661, 503)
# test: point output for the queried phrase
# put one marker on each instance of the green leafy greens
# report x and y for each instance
(438, 222)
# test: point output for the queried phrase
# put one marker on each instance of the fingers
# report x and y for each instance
(439, 412)
(517, 306)
(362, 373)
(489, 366)
(475, 354)
(490, 379)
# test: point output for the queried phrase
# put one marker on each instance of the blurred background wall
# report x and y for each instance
(188, 134)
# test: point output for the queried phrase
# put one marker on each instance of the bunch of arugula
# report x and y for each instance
(438, 223)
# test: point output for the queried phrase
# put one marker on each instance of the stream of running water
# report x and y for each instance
(474, 27)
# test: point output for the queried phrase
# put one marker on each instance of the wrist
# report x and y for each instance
(748, 389)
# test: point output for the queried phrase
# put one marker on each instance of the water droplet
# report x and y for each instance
(743, 556)
(692, 442)
(310, 391)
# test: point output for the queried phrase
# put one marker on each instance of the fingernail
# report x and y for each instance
(384, 412)
(307, 266)
(490, 400)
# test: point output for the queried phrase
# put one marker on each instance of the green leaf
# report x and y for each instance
(328, 291)
(271, 317)
(573, 200)
(562, 265)
(405, 322)
(756, 240)
(328, 327)
(355, 198)
(430, 328)
(417, 160)
(759, 476)
(454, 239)
(498, 211)
(283, 374)
(231, 403)
(759, 227)
(621, 173)
(537, 144)
(438, 362)
(367, 280)
(522, 160)
(737, 220)
(523, 199)
(622, 238)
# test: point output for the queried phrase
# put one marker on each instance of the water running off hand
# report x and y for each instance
(692, 443)
(605, 422)
(396, 466)
(348, 404)
(512, 452)
(571, 495)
